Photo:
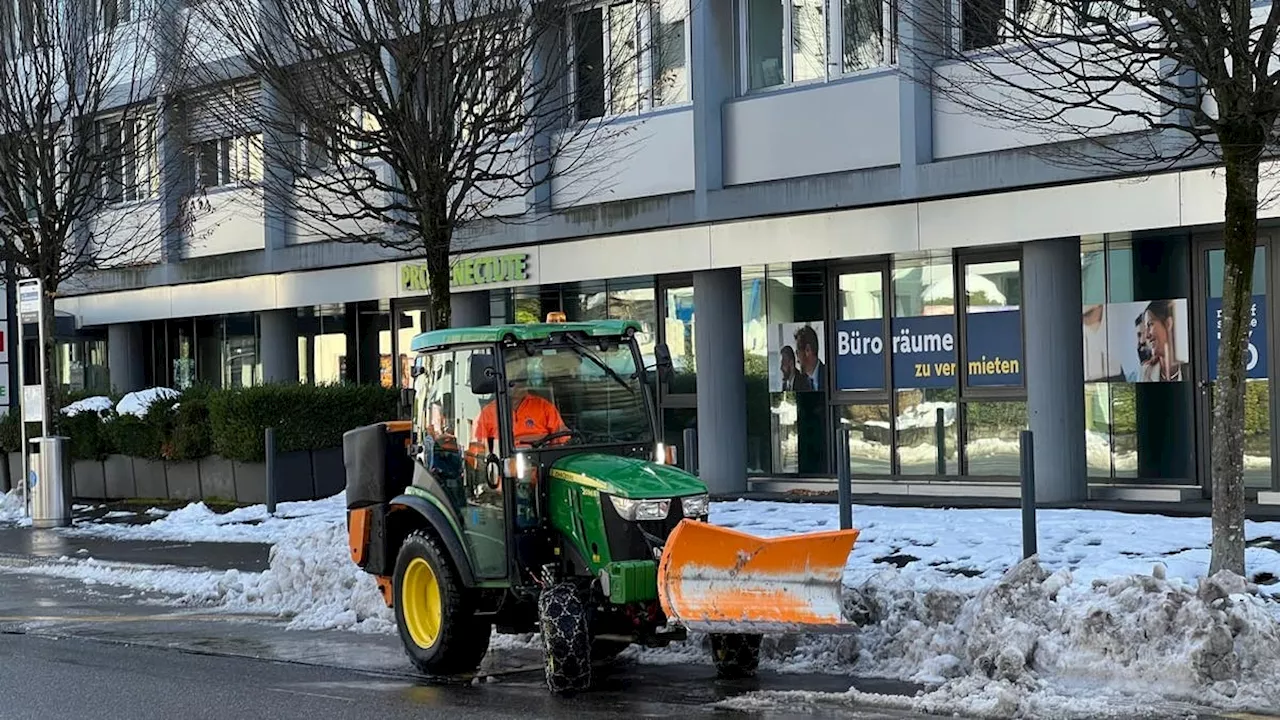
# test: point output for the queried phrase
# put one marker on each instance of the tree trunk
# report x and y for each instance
(1241, 238)
(49, 349)
(439, 274)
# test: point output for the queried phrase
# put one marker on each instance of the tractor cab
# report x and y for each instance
(511, 427)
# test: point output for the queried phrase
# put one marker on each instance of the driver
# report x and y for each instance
(533, 417)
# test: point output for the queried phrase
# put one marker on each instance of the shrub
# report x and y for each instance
(86, 435)
(134, 436)
(10, 433)
(304, 417)
(191, 438)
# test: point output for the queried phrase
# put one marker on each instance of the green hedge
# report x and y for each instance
(304, 418)
(230, 423)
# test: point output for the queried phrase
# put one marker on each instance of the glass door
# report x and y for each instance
(1258, 403)
(860, 366)
(409, 321)
(679, 397)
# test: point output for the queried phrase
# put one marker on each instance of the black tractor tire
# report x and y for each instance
(566, 635)
(463, 639)
(736, 656)
(606, 650)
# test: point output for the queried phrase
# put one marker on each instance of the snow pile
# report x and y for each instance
(311, 580)
(1037, 644)
(97, 404)
(136, 403)
(197, 523)
(11, 510)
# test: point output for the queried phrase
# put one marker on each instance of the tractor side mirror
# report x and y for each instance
(483, 378)
(407, 398)
(665, 367)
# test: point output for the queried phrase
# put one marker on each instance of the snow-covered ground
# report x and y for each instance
(1115, 616)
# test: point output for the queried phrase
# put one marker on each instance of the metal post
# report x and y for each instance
(691, 451)
(25, 473)
(1028, 494)
(271, 471)
(941, 431)
(844, 480)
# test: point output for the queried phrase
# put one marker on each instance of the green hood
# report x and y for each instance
(626, 477)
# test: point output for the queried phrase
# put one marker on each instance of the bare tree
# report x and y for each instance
(403, 122)
(1133, 86)
(79, 128)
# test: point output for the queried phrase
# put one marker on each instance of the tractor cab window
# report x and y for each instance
(576, 394)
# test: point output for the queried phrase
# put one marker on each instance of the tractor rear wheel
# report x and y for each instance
(434, 612)
(566, 635)
(736, 656)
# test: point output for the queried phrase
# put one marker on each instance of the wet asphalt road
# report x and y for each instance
(44, 678)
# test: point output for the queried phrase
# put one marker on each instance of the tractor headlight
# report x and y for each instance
(695, 505)
(641, 509)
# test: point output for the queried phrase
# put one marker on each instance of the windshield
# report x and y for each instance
(577, 390)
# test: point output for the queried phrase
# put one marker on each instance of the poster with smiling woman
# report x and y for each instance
(1149, 341)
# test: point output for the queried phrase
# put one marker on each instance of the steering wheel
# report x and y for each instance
(542, 441)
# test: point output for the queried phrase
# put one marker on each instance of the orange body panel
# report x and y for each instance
(384, 587)
(721, 580)
(358, 533)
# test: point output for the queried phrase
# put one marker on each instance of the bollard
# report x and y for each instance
(941, 431)
(1027, 456)
(271, 470)
(844, 480)
(691, 451)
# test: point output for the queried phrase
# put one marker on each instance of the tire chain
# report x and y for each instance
(736, 656)
(566, 638)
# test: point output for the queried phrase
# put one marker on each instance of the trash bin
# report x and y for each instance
(49, 480)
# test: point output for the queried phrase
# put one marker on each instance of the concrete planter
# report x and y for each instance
(329, 473)
(251, 483)
(217, 479)
(149, 478)
(293, 477)
(183, 478)
(118, 470)
(88, 480)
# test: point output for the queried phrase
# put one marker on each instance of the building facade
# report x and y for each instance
(799, 213)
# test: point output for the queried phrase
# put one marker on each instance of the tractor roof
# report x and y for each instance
(532, 331)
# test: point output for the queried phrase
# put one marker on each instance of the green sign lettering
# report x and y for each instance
(468, 272)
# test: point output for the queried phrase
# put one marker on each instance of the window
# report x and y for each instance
(324, 149)
(115, 13)
(629, 57)
(786, 42)
(983, 22)
(227, 161)
(22, 25)
(127, 151)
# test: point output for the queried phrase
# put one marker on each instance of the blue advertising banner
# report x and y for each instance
(924, 351)
(860, 355)
(1256, 359)
(994, 348)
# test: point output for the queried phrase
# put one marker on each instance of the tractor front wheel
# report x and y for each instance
(736, 656)
(434, 613)
(566, 635)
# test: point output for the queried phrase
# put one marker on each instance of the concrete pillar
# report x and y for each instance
(279, 346)
(712, 82)
(126, 353)
(722, 394)
(920, 26)
(1051, 307)
(469, 309)
(277, 186)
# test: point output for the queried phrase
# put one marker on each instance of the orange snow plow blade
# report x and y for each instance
(714, 579)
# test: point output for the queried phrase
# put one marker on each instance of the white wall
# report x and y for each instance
(826, 128)
(232, 222)
(130, 234)
(974, 111)
(629, 158)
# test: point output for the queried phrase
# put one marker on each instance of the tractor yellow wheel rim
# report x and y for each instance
(420, 598)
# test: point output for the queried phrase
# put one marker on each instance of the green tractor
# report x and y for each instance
(530, 493)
